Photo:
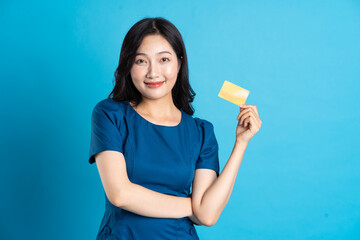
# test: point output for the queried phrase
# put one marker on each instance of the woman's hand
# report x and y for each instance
(249, 123)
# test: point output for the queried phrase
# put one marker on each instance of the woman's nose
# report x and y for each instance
(153, 71)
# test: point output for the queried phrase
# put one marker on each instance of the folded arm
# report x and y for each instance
(143, 201)
(210, 194)
(136, 198)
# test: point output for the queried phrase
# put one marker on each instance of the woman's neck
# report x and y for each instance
(157, 108)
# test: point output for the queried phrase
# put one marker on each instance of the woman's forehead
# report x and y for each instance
(154, 44)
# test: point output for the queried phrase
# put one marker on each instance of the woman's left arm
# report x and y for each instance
(210, 194)
(194, 219)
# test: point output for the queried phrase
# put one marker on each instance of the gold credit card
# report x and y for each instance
(233, 93)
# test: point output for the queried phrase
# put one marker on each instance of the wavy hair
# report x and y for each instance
(124, 89)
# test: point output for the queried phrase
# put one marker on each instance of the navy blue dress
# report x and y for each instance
(160, 158)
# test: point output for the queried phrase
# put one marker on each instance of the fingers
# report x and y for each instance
(248, 113)
(251, 123)
(250, 120)
(251, 107)
(242, 113)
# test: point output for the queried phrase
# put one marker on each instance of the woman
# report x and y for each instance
(148, 148)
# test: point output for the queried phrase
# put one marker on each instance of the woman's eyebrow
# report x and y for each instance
(157, 53)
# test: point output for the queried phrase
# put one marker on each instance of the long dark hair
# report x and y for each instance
(124, 89)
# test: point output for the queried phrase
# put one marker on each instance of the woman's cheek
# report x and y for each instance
(137, 74)
(170, 72)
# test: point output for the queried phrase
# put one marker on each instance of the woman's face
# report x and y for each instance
(155, 69)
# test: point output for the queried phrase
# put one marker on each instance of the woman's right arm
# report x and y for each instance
(133, 197)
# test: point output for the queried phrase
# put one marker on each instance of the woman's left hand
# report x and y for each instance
(249, 123)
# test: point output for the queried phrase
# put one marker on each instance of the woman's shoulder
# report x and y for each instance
(202, 129)
(109, 104)
(111, 108)
(203, 124)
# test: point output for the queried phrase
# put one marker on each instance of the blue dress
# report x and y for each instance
(160, 158)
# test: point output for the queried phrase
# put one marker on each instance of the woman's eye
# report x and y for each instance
(165, 59)
(139, 61)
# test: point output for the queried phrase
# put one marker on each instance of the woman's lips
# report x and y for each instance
(154, 84)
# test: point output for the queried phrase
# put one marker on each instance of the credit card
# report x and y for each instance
(233, 93)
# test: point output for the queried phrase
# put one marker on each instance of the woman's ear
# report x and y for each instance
(179, 63)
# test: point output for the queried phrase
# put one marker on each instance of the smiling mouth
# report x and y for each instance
(154, 84)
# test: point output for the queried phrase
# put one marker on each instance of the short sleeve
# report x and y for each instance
(208, 157)
(105, 133)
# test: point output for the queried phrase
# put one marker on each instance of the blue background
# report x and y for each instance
(300, 60)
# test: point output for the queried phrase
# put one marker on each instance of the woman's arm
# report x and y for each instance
(146, 202)
(212, 202)
(218, 193)
(121, 192)
(158, 204)
(194, 219)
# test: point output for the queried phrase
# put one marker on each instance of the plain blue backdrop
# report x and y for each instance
(300, 60)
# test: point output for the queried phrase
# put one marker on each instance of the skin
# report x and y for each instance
(157, 61)
(249, 123)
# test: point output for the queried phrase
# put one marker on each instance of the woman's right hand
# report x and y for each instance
(249, 123)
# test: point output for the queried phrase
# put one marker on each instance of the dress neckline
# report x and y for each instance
(153, 124)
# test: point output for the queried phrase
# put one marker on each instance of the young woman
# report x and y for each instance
(150, 151)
